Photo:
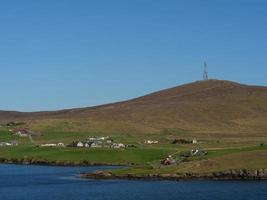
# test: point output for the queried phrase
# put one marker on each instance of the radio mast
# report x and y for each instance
(205, 74)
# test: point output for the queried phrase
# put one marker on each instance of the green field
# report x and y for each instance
(94, 156)
(223, 154)
(127, 156)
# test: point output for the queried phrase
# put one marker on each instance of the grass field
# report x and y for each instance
(26, 149)
(221, 160)
(223, 154)
(100, 156)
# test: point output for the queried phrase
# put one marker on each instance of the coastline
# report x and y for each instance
(29, 161)
(242, 174)
(228, 175)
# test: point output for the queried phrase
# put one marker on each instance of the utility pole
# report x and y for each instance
(205, 74)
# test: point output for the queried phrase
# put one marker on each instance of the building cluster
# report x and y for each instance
(97, 142)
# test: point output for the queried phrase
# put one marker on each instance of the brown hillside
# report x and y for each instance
(203, 106)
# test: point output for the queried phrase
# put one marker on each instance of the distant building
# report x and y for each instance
(3, 144)
(198, 152)
(194, 141)
(151, 142)
(12, 143)
(60, 144)
(87, 145)
(168, 161)
(95, 145)
(99, 139)
(25, 132)
(91, 138)
(182, 141)
(76, 144)
(48, 145)
(21, 132)
(117, 146)
(79, 144)
(109, 141)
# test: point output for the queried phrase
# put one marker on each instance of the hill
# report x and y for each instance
(212, 106)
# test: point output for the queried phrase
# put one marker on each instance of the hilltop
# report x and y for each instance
(204, 106)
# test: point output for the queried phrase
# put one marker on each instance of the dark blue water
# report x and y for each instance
(43, 183)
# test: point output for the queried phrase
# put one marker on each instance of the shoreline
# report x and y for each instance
(29, 161)
(229, 175)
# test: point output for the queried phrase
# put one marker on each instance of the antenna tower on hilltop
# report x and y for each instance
(205, 74)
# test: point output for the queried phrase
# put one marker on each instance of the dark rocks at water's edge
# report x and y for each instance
(31, 161)
(242, 174)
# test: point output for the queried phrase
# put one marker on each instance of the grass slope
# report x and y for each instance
(218, 107)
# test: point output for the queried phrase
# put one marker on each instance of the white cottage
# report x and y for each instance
(79, 144)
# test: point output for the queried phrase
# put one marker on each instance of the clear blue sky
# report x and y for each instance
(70, 53)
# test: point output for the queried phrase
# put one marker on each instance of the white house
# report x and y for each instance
(151, 142)
(91, 138)
(117, 146)
(60, 144)
(7, 144)
(95, 145)
(48, 145)
(86, 145)
(109, 141)
(12, 143)
(79, 144)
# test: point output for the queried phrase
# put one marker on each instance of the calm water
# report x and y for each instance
(38, 182)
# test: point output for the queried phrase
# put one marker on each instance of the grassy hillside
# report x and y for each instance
(217, 107)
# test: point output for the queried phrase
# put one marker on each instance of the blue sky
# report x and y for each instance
(58, 54)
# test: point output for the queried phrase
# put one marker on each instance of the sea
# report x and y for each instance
(27, 182)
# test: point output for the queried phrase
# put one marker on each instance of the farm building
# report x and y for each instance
(76, 144)
(25, 132)
(12, 143)
(117, 146)
(48, 145)
(60, 144)
(151, 142)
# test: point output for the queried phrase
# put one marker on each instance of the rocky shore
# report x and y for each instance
(242, 174)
